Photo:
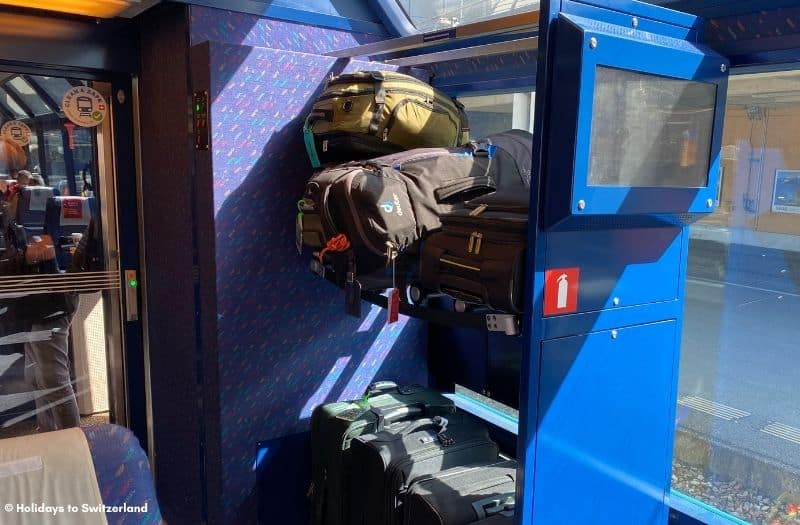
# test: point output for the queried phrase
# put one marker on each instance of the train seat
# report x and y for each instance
(121, 472)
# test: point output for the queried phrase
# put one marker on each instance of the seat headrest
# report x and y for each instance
(34, 198)
(73, 211)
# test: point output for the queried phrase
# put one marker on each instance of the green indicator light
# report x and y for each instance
(197, 108)
(133, 283)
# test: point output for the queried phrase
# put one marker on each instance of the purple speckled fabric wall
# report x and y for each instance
(217, 25)
(756, 26)
(284, 342)
(516, 63)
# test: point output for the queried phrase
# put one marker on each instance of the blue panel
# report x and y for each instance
(647, 10)
(573, 101)
(623, 19)
(605, 477)
(636, 266)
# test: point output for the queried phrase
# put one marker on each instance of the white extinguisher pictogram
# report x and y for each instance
(563, 291)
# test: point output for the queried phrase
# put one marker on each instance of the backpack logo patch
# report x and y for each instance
(392, 206)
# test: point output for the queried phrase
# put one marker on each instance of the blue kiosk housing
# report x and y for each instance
(629, 106)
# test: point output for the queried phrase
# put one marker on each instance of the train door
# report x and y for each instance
(70, 338)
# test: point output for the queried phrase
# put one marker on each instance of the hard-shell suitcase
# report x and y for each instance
(369, 113)
(461, 495)
(383, 465)
(334, 425)
(478, 257)
(498, 519)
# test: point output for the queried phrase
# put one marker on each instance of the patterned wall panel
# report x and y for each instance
(777, 23)
(217, 25)
(521, 62)
(284, 343)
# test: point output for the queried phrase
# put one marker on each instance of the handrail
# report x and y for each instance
(522, 22)
(499, 48)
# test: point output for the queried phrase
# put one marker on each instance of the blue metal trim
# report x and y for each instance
(701, 512)
(588, 322)
(654, 12)
(294, 15)
(533, 307)
(575, 7)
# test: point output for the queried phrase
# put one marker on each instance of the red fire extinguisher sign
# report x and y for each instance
(561, 288)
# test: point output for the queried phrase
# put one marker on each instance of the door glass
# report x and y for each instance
(60, 309)
(737, 445)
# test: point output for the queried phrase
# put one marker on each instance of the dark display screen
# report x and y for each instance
(650, 131)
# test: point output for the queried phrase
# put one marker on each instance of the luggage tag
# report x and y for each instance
(352, 291)
(394, 293)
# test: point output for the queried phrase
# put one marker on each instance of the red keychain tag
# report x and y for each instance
(394, 306)
(394, 293)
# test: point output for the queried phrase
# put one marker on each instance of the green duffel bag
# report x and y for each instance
(372, 113)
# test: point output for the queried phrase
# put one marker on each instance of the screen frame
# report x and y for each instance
(635, 50)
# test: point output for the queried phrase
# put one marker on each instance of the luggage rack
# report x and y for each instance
(508, 324)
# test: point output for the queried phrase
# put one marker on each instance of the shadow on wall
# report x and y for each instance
(284, 342)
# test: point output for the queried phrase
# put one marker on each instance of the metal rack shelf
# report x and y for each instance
(508, 324)
(514, 32)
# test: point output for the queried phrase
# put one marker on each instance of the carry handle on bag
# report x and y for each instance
(393, 414)
(437, 423)
(380, 387)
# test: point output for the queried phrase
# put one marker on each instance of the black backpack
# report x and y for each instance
(388, 204)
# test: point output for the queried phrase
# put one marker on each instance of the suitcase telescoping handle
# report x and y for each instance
(438, 423)
(381, 387)
(384, 416)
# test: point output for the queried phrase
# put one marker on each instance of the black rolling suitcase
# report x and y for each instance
(478, 258)
(478, 255)
(334, 425)
(461, 495)
(496, 520)
(383, 465)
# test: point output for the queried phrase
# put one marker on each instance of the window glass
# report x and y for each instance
(495, 113)
(649, 130)
(11, 104)
(28, 95)
(738, 417)
(429, 15)
(53, 86)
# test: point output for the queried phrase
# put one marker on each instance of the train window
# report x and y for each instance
(11, 106)
(54, 87)
(429, 15)
(498, 112)
(738, 423)
(60, 296)
(27, 94)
